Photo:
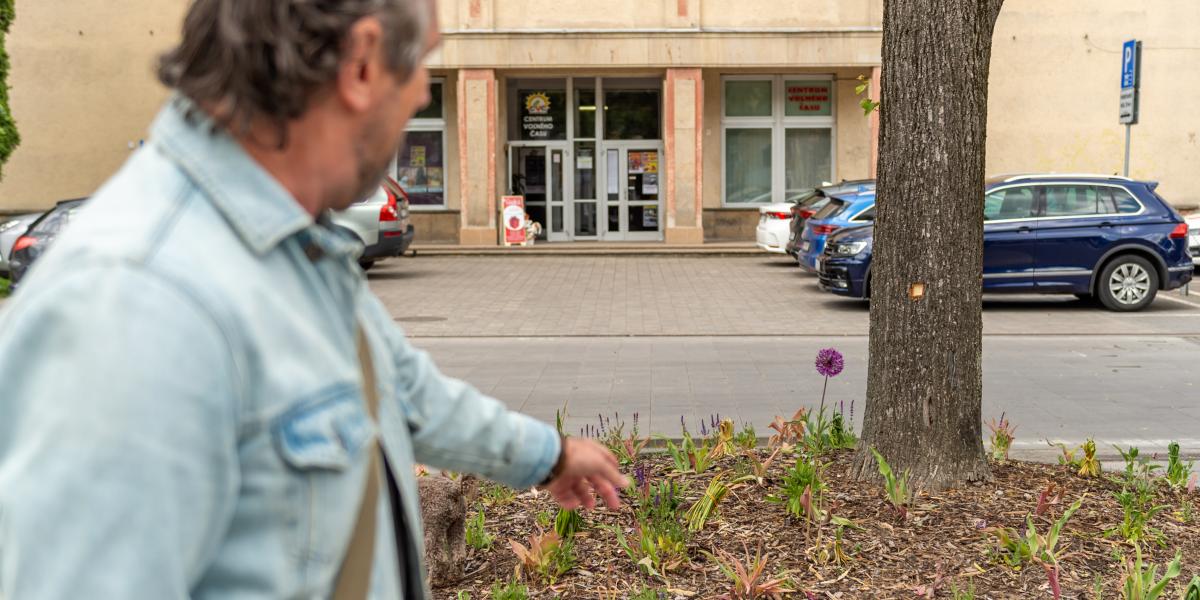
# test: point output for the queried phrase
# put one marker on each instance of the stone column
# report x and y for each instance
(477, 156)
(682, 131)
(681, 14)
(480, 14)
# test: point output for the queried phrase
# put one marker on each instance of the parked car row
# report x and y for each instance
(780, 224)
(380, 222)
(1107, 238)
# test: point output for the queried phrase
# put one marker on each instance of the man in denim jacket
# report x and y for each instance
(188, 373)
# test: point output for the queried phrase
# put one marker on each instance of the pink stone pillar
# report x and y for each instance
(477, 156)
(683, 130)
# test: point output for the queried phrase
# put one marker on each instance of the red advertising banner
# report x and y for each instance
(512, 210)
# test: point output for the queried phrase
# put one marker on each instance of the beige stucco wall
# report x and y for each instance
(83, 91)
(640, 14)
(83, 88)
(1054, 90)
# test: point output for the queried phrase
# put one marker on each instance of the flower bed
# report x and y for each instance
(947, 541)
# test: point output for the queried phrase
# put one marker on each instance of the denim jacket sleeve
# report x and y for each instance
(118, 450)
(455, 427)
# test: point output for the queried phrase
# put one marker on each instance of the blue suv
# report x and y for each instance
(845, 210)
(1109, 238)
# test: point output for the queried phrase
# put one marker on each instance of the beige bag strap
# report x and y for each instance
(354, 578)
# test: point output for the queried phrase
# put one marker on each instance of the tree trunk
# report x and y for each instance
(925, 381)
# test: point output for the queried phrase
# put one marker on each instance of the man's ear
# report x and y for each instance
(362, 64)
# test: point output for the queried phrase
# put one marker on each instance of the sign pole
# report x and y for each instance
(1128, 129)
(1131, 67)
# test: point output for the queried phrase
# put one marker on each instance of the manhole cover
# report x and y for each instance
(419, 319)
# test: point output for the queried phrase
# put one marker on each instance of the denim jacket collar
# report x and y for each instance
(229, 176)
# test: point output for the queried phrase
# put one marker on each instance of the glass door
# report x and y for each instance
(536, 172)
(633, 188)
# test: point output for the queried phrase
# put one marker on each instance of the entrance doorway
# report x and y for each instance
(586, 154)
(536, 172)
(633, 187)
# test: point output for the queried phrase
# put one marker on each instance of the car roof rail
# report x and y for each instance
(1012, 178)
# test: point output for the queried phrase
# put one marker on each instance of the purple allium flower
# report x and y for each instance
(829, 362)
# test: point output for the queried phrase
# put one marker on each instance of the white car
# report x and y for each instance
(774, 227)
(1193, 222)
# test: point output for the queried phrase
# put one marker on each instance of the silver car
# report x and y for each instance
(380, 223)
(12, 228)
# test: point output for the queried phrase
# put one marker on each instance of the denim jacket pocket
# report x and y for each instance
(323, 442)
(327, 432)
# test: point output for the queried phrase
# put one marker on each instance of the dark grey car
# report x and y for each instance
(12, 228)
(40, 235)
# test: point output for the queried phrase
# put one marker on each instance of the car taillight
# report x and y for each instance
(1180, 232)
(24, 242)
(824, 229)
(807, 214)
(387, 212)
(779, 215)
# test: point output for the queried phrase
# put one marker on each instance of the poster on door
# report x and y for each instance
(649, 184)
(512, 209)
(643, 162)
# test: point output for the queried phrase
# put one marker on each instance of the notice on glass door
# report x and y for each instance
(649, 184)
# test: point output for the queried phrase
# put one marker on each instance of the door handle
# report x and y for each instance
(1106, 224)
(1024, 229)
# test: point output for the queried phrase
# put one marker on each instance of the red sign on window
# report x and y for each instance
(809, 98)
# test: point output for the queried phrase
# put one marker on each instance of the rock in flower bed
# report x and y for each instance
(811, 531)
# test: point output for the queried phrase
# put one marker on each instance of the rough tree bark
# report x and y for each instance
(925, 382)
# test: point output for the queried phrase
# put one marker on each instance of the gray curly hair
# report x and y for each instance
(251, 59)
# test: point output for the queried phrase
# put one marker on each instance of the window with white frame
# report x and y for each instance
(777, 135)
(421, 164)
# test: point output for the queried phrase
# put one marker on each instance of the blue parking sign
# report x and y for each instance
(1129, 65)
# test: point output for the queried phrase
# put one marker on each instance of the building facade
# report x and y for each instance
(631, 120)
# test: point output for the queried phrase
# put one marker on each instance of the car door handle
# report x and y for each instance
(1106, 224)
(1024, 229)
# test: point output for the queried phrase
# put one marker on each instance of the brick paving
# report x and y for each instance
(457, 296)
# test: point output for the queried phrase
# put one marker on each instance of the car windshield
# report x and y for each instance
(56, 220)
(830, 210)
(816, 200)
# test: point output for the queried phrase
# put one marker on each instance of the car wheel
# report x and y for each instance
(366, 264)
(1128, 283)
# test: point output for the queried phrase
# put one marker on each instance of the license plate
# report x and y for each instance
(805, 246)
(1194, 240)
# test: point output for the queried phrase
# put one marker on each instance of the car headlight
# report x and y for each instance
(848, 248)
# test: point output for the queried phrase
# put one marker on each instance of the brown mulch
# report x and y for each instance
(944, 540)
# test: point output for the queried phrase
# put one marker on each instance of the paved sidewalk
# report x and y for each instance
(684, 295)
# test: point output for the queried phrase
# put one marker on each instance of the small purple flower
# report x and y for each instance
(829, 362)
(852, 409)
(639, 474)
(712, 421)
(703, 429)
(635, 419)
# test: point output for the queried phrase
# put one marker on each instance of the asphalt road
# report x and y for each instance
(694, 336)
